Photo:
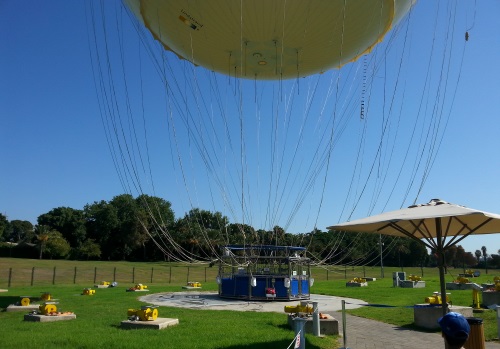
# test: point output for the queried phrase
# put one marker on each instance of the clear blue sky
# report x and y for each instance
(55, 151)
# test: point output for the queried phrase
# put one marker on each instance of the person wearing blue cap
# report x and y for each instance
(455, 330)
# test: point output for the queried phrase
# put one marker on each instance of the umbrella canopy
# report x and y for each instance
(438, 224)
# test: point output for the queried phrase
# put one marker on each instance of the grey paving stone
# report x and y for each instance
(364, 333)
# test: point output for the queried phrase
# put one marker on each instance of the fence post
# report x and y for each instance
(114, 274)
(316, 323)
(54, 276)
(133, 275)
(344, 325)
(299, 327)
(188, 275)
(32, 275)
(152, 270)
(498, 320)
(345, 272)
(170, 275)
(10, 276)
(364, 272)
(74, 277)
(205, 274)
(95, 274)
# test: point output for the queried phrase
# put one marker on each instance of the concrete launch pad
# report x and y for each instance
(158, 324)
(212, 301)
(48, 318)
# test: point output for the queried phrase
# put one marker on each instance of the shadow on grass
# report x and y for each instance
(5, 301)
(281, 326)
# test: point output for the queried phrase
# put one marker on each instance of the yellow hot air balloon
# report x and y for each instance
(269, 39)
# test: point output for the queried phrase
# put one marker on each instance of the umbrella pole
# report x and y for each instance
(442, 282)
(440, 256)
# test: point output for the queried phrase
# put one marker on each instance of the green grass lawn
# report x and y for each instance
(98, 317)
(98, 324)
(381, 291)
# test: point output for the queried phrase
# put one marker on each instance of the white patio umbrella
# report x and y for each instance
(437, 224)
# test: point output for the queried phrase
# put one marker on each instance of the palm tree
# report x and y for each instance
(484, 256)
(401, 247)
(42, 233)
(478, 255)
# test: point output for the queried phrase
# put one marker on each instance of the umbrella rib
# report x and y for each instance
(446, 231)
(455, 236)
(464, 226)
(476, 228)
(428, 242)
(425, 233)
(453, 242)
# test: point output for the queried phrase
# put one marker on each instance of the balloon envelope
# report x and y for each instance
(263, 39)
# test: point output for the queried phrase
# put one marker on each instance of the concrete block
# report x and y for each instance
(427, 317)
(458, 286)
(158, 324)
(491, 297)
(488, 286)
(328, 326)
(101, 286)
(411, 284)
(26, 308)
(356, 284)
(48, 318)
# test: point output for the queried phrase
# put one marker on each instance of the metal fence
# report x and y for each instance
(89, 273)
(39, 276)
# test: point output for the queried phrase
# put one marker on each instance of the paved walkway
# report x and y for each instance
(361, 333)
(364, 333)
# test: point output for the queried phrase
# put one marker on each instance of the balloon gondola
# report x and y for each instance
(264, 273)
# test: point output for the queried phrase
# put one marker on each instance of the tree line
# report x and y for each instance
(145, 229)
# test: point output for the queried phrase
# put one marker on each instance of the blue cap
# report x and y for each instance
(454, 325)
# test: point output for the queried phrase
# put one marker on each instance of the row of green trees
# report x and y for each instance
(145, 229)
(484, 259)
(118, 229)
